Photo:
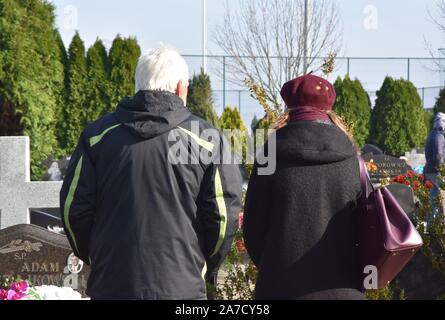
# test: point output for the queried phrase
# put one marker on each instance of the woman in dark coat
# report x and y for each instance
(299, 222)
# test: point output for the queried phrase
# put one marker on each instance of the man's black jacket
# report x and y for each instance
(150, 225)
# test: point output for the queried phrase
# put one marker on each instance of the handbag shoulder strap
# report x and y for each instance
(364, 176)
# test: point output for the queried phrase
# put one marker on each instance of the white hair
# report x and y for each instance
(161, 69)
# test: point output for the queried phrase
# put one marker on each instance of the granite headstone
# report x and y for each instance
(387, 166)
(41, 256)
(416, 158)
(370, 148)
(420, 281)
(17, 192)
(405, 196)
(46, 217)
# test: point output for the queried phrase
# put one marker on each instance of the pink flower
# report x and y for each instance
(241, 219)
(21, 286)
(11, 295)
(17, 291)
(14, 295)
(3, 294)
(20, 295)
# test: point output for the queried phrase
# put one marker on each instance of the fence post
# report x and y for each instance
(224, 82)
(409, 65)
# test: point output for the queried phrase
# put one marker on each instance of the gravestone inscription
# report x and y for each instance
(41, 256)
(387, 166)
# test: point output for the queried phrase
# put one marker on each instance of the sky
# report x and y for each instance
(371, 28)
(401, 26)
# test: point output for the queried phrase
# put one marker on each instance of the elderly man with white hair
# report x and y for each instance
(151, 227)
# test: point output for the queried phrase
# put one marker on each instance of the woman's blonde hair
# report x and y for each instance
(283, 120)
(341, 124)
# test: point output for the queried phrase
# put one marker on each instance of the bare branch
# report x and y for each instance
(438, 19)
(264, 40)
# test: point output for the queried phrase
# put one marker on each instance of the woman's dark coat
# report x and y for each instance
(299, 222)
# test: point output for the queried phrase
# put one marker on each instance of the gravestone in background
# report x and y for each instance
(416, 157)
(386, 166)
(17, 193)
(56, 168)
(41, 256)
(405, 196)
(419, 279)
(47, 217)
(371, 148)
(50, 217)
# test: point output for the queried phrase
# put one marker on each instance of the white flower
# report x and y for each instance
(57, 293)
(56, 229)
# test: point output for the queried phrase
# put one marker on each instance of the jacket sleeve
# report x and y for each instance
(78, 200)
(255, 215)
(219, 205)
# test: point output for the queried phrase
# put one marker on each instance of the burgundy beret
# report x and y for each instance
(310, 91)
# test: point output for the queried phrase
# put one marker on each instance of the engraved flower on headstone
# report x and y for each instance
(20, 245)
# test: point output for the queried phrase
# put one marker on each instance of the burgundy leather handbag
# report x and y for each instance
(387, 239)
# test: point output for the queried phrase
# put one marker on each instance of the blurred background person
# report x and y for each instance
(435, 155)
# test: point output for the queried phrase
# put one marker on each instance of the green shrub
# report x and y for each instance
(200, 100)
(439, 106)
(31, 76)
(98, 83)
(122, 62)
(74, 112)
(397, 122)
(354, 106)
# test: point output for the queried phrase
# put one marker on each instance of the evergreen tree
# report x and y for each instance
(353, 105)
(439, 106)
(98, 85)
(61, 97)
(265, 123)
(123, 58)
(74, 112)
(62, 50)
(429, 116)
(254, 123)
(233, 127)
(31, 76)
(231, 120)
(397, 122)
(200, 100)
